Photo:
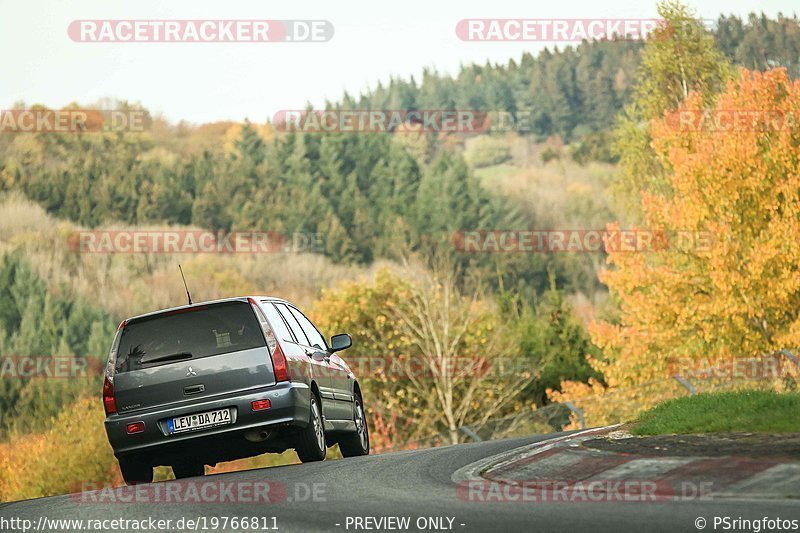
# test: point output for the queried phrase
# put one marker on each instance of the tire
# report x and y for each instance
(311, 440)
(185, 470)
(135, 473)
(356, 443)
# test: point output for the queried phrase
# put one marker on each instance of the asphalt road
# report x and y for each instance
(415, 484)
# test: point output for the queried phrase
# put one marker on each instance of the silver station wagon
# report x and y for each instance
(222, 380)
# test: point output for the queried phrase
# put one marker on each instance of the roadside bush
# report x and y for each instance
(593, 147)
(550, 153)
(73, 452)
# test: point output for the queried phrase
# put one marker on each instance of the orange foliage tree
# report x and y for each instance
(733, 171)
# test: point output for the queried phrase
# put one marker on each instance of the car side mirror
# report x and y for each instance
(341, 342)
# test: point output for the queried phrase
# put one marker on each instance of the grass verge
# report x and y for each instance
(750, 411)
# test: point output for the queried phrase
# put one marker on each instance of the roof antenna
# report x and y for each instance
(184, 284)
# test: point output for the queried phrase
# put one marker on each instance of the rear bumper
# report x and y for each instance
(289, 407)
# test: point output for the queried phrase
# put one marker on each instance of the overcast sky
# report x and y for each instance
(202, 82)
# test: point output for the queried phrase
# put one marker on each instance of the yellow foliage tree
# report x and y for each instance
(359, 308)
(423, 353)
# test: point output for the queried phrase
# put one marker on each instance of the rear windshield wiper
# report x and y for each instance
(167, 357)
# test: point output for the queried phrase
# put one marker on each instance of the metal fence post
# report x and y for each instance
(793, 358)
(578, 412)
(469, 432)
(685, 382)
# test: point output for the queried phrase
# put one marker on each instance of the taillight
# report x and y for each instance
(109, 402)
(279, 364)
(278, 359)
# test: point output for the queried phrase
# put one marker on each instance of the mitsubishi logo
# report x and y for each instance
(191, 373)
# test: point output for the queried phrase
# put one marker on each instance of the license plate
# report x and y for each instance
(200, 420)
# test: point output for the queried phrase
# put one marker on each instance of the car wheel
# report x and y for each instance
(185, 470)
(311, 441)
(135, 473)
(356, 443)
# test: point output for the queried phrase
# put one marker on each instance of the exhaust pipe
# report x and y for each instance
(257, 435)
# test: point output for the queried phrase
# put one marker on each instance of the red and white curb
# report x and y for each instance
(563, 462)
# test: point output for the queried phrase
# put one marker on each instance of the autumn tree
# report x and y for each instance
(728, 282)
(424, 350)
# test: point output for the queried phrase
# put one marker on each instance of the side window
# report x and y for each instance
(311, 332)
(293, 324)
(277, 323)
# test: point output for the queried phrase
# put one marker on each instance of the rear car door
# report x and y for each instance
(321, 366)
(341, 384)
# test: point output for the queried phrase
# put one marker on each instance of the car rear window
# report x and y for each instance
(189, 334)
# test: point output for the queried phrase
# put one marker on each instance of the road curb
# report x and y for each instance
(564, 460)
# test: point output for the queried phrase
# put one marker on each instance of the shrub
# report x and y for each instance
(73, 452)
(550, 153)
